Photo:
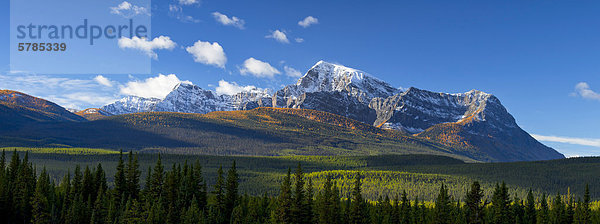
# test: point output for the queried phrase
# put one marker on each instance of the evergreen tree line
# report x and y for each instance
(181, 195)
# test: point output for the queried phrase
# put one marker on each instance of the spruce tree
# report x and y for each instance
(231, 190)
(543, 216)
(570, 213)
(156, 180)
(285, 201)
(324, 211)
(500, 205)
(217, 211)
(405, 209)
(40, 204)
(309, 203)
(193, 214)
(132, 176)
(172, 186)
(518, 212)
(87, 184)
(24, 189)
(336, 209)
(357, 211)
(120, 189)
(442, 207)
(200, 186)
(558, 212)
(530, 215)
(474, 204)
(299, 206)
(100, 180)
(587, 212)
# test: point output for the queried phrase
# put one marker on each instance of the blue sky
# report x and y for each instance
(531, 55)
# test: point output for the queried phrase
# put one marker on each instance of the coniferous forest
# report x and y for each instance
(181, 195)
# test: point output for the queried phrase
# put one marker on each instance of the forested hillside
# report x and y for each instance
(417, 174)
(181, 195)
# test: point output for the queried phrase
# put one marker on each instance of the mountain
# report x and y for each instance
(261, 131)
(18, 109)
(93, 113)
(131, 104)
(189, 98)
(328, 77)
(473, 123)
(52, 110)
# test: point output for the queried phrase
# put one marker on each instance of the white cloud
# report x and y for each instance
(103, 81)
(128, 10)
(72, 100)
(176, 11)
(189, 2)
(299, 40)
(258, 68)
(291, 72)
(225, 20)
(568, 140)
(232, 88)
(583, 89)
(278, 36)
(67, 92)
(153, 87)
(207, 53)
(148, 47)
(309, 20)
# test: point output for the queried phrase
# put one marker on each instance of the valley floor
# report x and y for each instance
(386, 175)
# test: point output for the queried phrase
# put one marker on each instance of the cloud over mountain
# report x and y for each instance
(258, 68)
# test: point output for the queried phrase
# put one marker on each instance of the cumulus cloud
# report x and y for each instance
(128, 10)
(207, 53)
(148, 47)
(232, 88)
(583, 90)
(229, 21)
(103, 81)
(291, 72)
(568, 140)
(189, 2)
(309, 20)
(153, 87)
(279, 36)
(258, 68)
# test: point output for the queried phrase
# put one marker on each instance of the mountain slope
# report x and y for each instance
(18, 109)
(93, 113)
(262, 131)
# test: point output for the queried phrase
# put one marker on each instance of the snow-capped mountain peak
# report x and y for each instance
(325, 76)
(189, 98)
(131, 104)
